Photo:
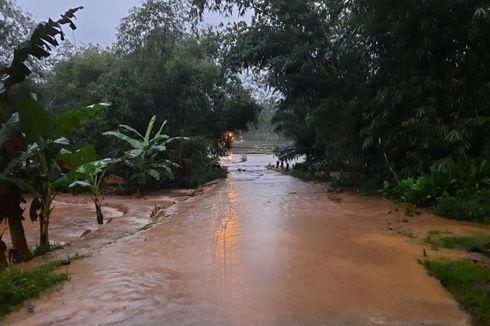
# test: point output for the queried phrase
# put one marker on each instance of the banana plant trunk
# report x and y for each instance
(11, 200)
(46, 200)
(20, 250)
(98, 210)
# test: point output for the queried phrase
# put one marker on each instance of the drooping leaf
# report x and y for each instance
(34, 120)
(130, 129)
(154, 174)
(8, 128)
(21, 184)
(79, 184)
(134, 153)
(61, 141)
(119, 135)
(82, 156)
(70, 121)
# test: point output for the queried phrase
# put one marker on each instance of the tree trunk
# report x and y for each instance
(3, 258)
(46, 200)
(11, 200)
(98, 211)
(44, 235)
(20, 251)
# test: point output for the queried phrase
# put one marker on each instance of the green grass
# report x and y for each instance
(479, 244)
(468, 283)
(42, 250)
(17, 286)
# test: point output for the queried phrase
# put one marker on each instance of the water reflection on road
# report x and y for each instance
(260, 248)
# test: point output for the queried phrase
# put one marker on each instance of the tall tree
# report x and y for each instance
(14, 27)
(152, 23)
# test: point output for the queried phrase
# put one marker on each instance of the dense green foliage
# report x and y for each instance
(474, 207)
(157, 67)
(30, 138)
(459, 191)
(372, 87)
(16, 285)
(469, 285)
(48, 155)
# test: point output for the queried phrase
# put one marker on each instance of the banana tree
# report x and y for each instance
(40, 42)
(146, 156)
(89, 178)
(12, 189)
(47, 158)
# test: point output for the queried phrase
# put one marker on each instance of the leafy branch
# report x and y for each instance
(39, 44)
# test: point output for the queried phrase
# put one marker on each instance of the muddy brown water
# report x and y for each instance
(259, 248)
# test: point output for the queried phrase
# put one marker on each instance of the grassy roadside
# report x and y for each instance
(17, 286)
(479, 244)
(468, 283)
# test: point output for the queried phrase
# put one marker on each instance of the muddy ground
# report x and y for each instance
(259, 248)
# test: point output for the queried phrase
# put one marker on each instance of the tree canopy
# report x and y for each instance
(364, 82)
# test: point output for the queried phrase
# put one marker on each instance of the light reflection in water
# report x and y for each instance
(227, 235)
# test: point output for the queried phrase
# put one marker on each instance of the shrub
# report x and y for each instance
(428, 189)
(474, 207)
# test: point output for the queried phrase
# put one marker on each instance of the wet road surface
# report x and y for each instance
(260, 248)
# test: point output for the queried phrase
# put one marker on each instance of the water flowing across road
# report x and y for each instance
(259, 248)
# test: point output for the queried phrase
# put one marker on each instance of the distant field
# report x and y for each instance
(256, 146)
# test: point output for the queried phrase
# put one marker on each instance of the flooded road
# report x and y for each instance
(260, 248)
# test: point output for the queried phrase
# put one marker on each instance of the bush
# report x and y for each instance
(201, 177)
(198, 161)
(424, 191)
(428, 189)
(475, 207)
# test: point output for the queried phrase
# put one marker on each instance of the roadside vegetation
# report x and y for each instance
(467, 280)
(386, 96)
(475, 243)
(468, 283)
(165, 105)
(18, 285)
(458, 191)
(367, 100)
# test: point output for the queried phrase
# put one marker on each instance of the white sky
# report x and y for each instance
(97, 22)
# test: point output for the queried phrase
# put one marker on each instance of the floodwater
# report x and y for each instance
(260, 248)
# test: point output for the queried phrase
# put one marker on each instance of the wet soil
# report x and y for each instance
(259, 248)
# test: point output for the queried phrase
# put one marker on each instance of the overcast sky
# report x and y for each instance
(96, 23)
